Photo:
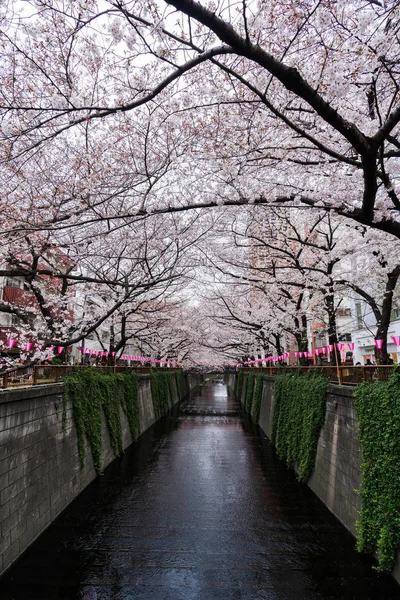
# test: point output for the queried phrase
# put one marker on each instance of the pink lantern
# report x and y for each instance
(296, 354)
(60, 349)
(317, 351)
(28, 346)
(379, 344)
(113, 354)
(340, 347)
(330, 347)
(351, 346)
(11, 343)
(323, 350)
(396, 339)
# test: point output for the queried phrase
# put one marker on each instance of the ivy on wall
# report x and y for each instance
(378, 417)
(239, 384)
(258, 397)
(299, 413)
(250, 383)
(180, 382)
(129, 401)
(160, 391)
(253, 391)
(94, 393)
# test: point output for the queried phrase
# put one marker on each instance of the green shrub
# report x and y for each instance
(93, 393)
(239, 385)
(160, 390)
(180, 382)
(250, 383)
(299, 413)
(258, 397)
(378, 417)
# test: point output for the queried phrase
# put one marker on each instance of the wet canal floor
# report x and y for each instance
(198, 509)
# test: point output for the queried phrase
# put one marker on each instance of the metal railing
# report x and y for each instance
(343, 375)
(43, 374)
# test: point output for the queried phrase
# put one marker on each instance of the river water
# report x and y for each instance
(198, 509)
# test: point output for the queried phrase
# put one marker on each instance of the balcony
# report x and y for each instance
(17, 297)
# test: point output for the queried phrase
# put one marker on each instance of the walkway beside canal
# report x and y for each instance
(198, 509)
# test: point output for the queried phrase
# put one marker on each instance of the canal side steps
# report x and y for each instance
(336, 476)
(40, 471)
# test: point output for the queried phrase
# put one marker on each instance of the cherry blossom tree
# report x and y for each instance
(299, 103)
(294, 270)
(114, 114)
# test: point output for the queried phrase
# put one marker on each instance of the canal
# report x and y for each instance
(198, 509)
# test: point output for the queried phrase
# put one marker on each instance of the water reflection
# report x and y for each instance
(199, 509)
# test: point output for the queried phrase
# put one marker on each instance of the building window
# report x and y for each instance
(343, 312)
(344, 337)
(15, 321)
(12, 282)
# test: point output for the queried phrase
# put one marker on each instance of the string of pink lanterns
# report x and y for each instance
(318, 351)
(130, 357)
(98, 353)
(28, 347)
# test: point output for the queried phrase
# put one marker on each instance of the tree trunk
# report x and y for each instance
(332, 333)
(382, 355)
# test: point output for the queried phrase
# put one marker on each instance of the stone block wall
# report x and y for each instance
(40, 473)
(267, 403)
(337, 473)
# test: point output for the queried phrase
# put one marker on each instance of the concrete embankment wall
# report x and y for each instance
(337, 472)
(336, 475)
(40, 472)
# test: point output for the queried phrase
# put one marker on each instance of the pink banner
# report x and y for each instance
(379, 344)
(330, 347)
(351, 346)
(396, 339)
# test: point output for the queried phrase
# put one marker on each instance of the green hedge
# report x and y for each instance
(378, 417)
(180, 382)
(92, 393)
(257, 397)
(250, 383)
(239, 385)
(160, 390)
(299, 413)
